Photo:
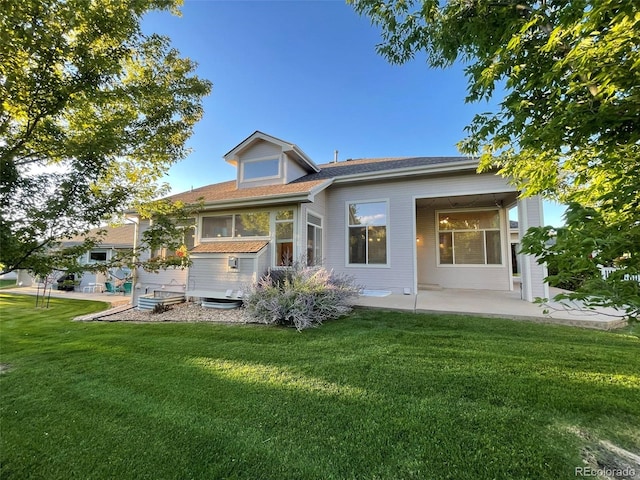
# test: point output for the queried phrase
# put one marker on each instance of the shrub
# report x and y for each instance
(160, 308)
(299, 296)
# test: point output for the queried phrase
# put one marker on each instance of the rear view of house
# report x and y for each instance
(394, 224)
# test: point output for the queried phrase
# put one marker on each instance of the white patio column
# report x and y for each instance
(530, 214)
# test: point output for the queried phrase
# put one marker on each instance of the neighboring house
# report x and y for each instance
(394, 224)
(115, 239)
(120, 238)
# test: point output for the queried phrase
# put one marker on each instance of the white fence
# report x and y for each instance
(607, 271)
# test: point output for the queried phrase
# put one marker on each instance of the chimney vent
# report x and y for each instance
(335, 156)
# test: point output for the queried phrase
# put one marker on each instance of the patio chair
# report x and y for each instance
(109, 288)
(126, 288)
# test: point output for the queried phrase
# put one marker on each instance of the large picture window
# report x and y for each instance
(469, 237)
(367, 233)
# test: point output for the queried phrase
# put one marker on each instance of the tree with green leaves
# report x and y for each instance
(93, 113)
(568, 123)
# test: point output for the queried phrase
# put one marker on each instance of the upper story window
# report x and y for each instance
(367, 233)
(252, 224)
(469, 237)
(260, 168)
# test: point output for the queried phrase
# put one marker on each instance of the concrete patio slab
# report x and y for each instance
(497, 304)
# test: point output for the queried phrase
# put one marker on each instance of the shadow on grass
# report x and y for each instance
(375, 395)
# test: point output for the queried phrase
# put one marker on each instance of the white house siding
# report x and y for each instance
(212, 273)
(263, 261)
(292, 169)
(173, 279)
(260, 149)
(401, 194)
(399, 272)
(530, 214)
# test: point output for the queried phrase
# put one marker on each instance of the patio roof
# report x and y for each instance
(231, 246)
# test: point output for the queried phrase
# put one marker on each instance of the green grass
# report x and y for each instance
(7, 284)
(377, 395)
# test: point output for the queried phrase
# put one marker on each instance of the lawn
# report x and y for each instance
(377, 395)
(7, 284)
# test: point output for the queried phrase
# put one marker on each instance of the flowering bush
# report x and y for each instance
(299, 296)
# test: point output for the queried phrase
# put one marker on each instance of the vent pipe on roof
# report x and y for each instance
(335, 156)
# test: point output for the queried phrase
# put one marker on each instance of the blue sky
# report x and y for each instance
(307, 72)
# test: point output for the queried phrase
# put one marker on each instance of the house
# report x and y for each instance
(113, 240)
(394, 224)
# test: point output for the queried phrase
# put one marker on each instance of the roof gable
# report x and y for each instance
(291, 149)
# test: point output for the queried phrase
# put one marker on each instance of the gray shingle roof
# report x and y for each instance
(376, 165)
(231, 246)
(116, 237)
(228, 191)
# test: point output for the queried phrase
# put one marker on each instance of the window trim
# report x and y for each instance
(243, 163)
(499, 229)
(387, 226)
(100, 250)
(232, 214)
(274, 238)
(315, 226)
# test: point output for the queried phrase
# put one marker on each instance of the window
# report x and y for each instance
(469, 238)
(217, 227)
(314, 239)
(284, 238)
(256, 169)
(252, 224)
(188, 232)
(97, 256)
(367, 236)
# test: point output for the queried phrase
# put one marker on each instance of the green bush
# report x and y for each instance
(299, 296)
(160, 308)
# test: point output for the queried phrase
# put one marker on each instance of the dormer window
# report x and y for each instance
(260, 169)
(264, 160)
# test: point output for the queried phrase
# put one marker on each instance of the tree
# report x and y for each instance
(568, 124)
(93, 113)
